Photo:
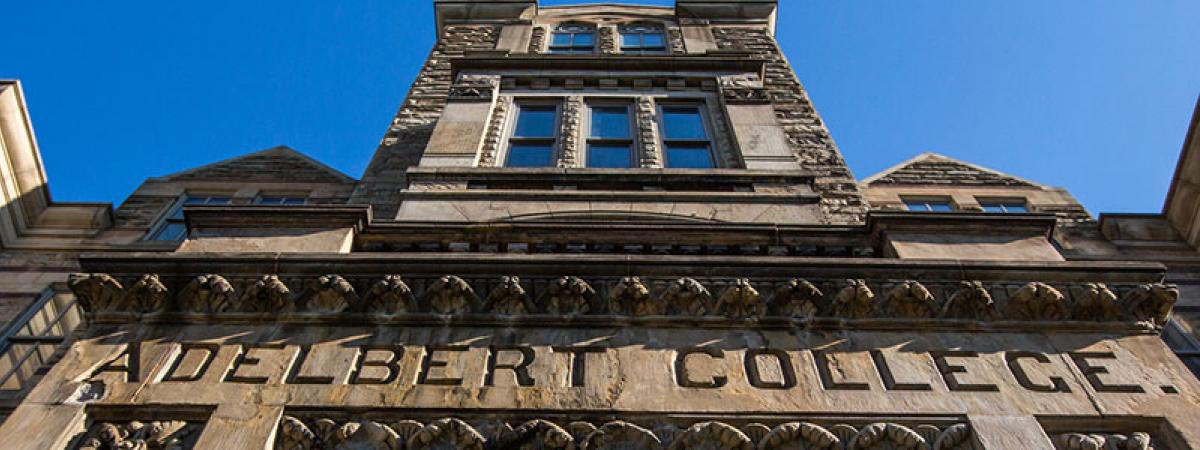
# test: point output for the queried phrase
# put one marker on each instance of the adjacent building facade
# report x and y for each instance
(598, 227)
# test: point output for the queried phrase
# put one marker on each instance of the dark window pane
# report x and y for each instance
(530, 155)
(940, 207)
(610, 156)
(683, 122)
(177, 214)
(294, 201)
(536, 121)
(652, 40)
(583, 40)
(195, 200)
(993, 208)
(172, 231)
(681, 156)
(270, 200)
(217, 201)
(610, 122)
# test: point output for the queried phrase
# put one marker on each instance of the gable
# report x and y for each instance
(275, 164)
(934, 169)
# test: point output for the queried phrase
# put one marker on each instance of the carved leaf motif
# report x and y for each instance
(797, 298)
(536, 435)
(1151, 303)
(953, 437)
(632, 297)
(712, 436)
(451, 295)
(206, 294)
(367, 435)
(971, 301)
(687, 297)
(446, 434)
(1096, 303)
(621, 435)
(135, 435)
(147, 295)
(741, 301)
(97, 292)
(568, 295)
(887, 436)
(855, 301)
(509, 298)
(1037, 301)
(268, 295)
(1085, 441)
(800, 436)
(390, 296)
(294, 435)
(330, 294)
(909, 300)
(756, 432)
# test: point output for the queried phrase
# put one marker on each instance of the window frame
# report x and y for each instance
(1175, 332)
(631, 140)
(176, 209)
(572, 49)
(555, 141)
(702, 107)
(258, 200)
(1004, 204)
(927, 201)
(641, 30)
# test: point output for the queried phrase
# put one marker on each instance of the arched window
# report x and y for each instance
(573, 39)
(641, 39)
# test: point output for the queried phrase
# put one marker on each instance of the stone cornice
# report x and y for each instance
(720, 63)
(256, 216)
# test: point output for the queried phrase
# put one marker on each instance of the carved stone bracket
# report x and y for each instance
(739, 299)
(158, 435)
(450, 433)
(495, 132)
(479, 88)
(1098, 441)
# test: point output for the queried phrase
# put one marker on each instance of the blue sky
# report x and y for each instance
(1091, 95)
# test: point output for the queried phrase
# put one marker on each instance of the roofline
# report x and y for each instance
(1193, 133)
(247, 155)
(889, 170)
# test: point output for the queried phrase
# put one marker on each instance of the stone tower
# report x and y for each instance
(590, 227)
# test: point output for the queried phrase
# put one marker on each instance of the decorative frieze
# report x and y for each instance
(494, 136)
(474, 88)
(157, 435)
(648, 133)
(1097, 441)
(537, 39)
(452, 433)
(607, 37)
(733, 299)
(572, 115)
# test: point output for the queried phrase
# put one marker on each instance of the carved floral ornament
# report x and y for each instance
(135, 435)
(451, 433)
(737, 299)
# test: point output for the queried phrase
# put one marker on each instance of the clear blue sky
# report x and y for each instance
(1092, 95)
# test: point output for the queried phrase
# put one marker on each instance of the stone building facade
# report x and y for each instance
(595, 227)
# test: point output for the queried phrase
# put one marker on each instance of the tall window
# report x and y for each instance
(929, 204)
(687, 141)
(1004, 206)
(280, 200)
(643, 40)
(534, 136)
(610, 141)
(173, 228)
(572, 39)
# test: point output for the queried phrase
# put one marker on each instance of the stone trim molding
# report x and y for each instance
(1088, 441)
(477, 88)
(737, 300)
(325, 433)
(569, 134)
(647, 126)
(494, 136)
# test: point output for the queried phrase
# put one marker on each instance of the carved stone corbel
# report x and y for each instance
(446, 434)
(687, 297)
(1151, 303)
(899, 436)
(797, 298)
(148, 295)
(1084, 441)
(1096, 303)
(1037, 301)
(536, 434)
(389, 296)
(451, 295)
(268, 294)
(800, 435)
(971, 301)
(632, 297)
(740, 301)
(329, 294)
(509, 298)
(855, 301)
(206, 294)
(135, 435)
(97, 292)
(569, 295)
(909, 300)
